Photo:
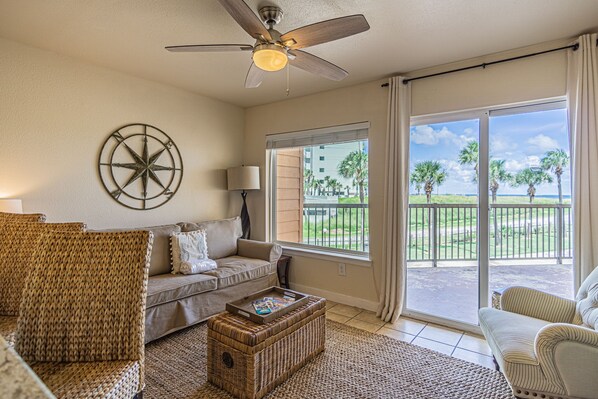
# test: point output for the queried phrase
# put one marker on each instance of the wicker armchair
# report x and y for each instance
(22, 217)
(546, 346)
(81, 320)
(18, 241)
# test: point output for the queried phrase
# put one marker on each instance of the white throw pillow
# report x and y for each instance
(200, 266)
(190, 247)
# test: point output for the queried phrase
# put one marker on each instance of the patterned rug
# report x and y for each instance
(355, 364)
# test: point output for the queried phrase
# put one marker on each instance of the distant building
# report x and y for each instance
(323, 160)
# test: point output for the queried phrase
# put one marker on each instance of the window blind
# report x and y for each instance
(326, 135)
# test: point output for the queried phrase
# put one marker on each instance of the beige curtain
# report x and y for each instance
(582, 97)
(396, 201)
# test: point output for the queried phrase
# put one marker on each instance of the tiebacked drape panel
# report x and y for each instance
(396, 201)
(582, 98)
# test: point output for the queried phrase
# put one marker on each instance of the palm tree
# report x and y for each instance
(337, 187)
(332, 184)
(318, 186)
(432, 173)
(469, 155)
(308, 177)
(355, 166)
(417, 181)
(532, 177)
(498, 174)
(555, 161)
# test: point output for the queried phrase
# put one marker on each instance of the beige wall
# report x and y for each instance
(55, 113)
(524, 80)
(528, 79)
(365, 102)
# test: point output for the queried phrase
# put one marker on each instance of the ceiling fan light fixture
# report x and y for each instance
(270, 57)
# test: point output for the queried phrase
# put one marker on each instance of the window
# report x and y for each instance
(325, 209)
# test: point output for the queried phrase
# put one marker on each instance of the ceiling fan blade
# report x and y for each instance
(255, 76)
(199, 48)
(310, 63)
(325, 31)
(241, 13)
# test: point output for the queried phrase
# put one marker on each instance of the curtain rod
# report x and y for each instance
(485, 64)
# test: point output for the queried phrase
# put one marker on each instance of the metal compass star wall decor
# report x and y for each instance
(140, 166)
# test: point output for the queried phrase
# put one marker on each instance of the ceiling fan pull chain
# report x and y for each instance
(288, 80)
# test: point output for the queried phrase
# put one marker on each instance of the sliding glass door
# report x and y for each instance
(530, 204)
(489, 208)
(442, 273)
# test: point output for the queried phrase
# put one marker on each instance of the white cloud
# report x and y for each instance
(543, 142)
(513, 165)
(501, 144)
(426, 135)
(533, 161)
(455, 170)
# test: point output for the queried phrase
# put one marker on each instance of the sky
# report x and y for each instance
(521, 140)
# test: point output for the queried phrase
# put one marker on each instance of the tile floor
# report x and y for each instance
(465, 346)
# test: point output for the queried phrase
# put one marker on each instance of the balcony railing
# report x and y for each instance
(445, 232)
(340, 226)
(440, 232)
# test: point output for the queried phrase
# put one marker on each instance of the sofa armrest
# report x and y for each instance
(568, 355)
(537, 304)
(259, 250)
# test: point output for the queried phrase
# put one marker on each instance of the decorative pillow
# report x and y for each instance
(189, 247)
(200, 266)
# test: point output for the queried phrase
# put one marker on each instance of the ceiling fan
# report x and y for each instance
(272, 50)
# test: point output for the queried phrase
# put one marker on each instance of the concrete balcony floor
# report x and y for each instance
(450, 290)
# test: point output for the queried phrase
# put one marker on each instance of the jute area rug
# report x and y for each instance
(355, 364)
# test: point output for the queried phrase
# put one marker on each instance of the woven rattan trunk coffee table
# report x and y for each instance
(248, 360)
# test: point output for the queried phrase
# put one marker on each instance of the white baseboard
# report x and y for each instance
(336, 297)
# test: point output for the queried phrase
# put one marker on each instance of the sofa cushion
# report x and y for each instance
(511, 336)
(221, 235)
(168, 287)
(160, 260)
(234, 270)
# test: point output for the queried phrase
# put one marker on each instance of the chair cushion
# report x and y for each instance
(511, 336)
(115, 379)
(160, 260)
(8, 328)
(235, 270)
(168, 287)
(221, 235)
(587, 301)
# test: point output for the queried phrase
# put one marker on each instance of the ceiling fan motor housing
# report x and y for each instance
(271, 15)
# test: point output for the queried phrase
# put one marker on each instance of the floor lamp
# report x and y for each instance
(244, 178)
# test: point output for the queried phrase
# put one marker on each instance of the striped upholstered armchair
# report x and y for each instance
(546, 346)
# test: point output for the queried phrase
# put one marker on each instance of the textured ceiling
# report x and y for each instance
(405, 35)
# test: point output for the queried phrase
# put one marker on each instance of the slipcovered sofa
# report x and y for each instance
(176, 301)
(546, 346)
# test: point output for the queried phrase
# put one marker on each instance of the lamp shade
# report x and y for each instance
(243, 178)
(9, 205)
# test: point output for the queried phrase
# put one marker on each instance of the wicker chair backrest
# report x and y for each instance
(18, 240)
(22, 217)
(84, 298)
